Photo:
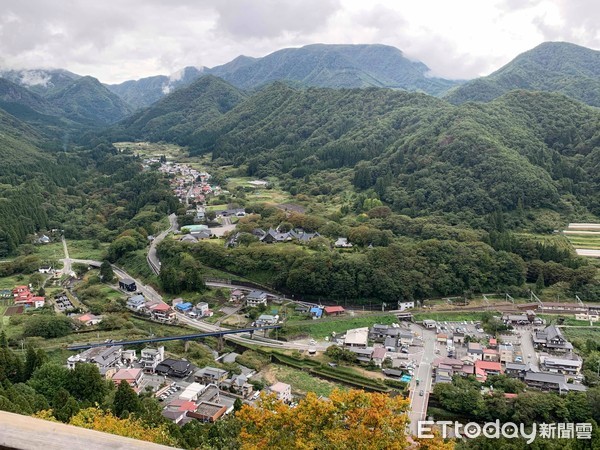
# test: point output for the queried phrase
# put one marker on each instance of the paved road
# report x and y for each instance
(225, 227)
(152, 258)
(67, 262)
(527, 348)
(418, 403)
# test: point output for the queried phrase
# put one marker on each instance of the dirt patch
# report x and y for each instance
(14, 310)
(292, 207)
(369, 373)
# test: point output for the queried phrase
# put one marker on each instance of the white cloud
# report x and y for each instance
(116, 40)
(34, 78)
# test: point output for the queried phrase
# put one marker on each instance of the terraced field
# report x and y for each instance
(585, 238)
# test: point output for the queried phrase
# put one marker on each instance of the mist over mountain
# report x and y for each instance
(145, 91)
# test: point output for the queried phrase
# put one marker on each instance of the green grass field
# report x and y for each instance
(83, 249)
(590, 241)
(318, 329)
(52, 251)
(87, 250)
(449, 316)
(147, 149)
(12, 281)
(302, 382)
(582, 333)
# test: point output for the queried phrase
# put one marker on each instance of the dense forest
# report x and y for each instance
(93, 193)
(552, 67)
(418, 153)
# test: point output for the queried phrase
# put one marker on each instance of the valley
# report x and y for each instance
(423, 239)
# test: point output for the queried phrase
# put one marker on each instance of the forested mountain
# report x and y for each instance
(335, 66)
(26, 171)
(146, 91)
(18, 100)
(321, 65)
(41, 81)
(63, 105)
(552, 66)
(176, 117)
(88, 102)
(418, 153)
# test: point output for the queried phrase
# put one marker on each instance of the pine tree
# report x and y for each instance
(106, 272)
(33, 359)
(539, 283)
(126, 401)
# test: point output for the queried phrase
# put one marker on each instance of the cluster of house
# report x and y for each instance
(199, 310)
(195, 233)
(375, 344)
(316, 312)
(527, 318)
(187, 393)
(252, 299)
(22, 295)
(553, 373)
(274, 236)
(581, 311)
(188, 184)
(157, 310)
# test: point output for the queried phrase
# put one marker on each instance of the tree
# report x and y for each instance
(106, 272)
(11, 366)
(80, 269)
(352, 419)
(237, 405)
(33, 359)
(539, 283)
(64, 406)
(49, 379)
(47, 326)
(86, 384)
(126, 401)
(99, 420)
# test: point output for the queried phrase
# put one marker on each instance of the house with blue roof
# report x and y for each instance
(184, 307)
(316, 312)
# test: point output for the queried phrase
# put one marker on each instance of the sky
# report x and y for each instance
(118, 40)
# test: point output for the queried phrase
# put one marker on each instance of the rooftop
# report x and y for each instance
(280, 387)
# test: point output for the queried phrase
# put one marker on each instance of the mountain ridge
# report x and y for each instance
(562, 67)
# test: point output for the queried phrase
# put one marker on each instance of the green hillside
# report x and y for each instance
(88, 102)
(180, 114)
(146, 91)
(418, 153)
(552, 66)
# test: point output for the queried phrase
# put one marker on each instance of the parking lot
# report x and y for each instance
(466, 327)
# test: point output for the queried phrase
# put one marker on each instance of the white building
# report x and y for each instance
(283, 391)
(404, 305)
(152, 357)
(357, 337)
(202, 309)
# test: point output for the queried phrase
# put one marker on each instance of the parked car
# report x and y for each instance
(422, 392)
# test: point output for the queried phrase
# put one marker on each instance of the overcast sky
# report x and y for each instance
(117, 40)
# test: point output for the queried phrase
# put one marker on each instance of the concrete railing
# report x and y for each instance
(28, 433)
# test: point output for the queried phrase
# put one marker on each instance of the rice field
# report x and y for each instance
(585, 238)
